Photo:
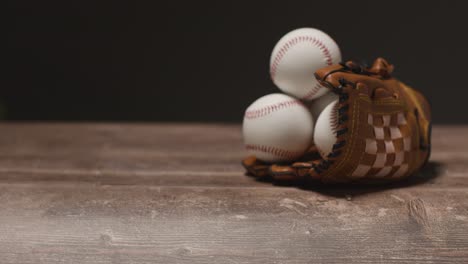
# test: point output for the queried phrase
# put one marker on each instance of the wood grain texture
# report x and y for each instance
(176, 193)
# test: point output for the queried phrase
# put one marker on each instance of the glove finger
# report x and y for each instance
(255, 167)
(283, 173)
(306, 169)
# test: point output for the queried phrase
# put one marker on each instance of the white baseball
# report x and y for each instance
(316, 106)
(297, 56)
(325, 129)
(277, 127)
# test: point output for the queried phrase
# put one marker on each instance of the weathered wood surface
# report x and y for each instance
(174, 193)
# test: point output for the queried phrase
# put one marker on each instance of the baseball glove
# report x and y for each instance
(383, 130)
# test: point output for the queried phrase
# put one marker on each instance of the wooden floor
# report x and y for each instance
(174, 193)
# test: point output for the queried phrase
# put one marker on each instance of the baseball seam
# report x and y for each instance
(291, 43)
(333, 124)
(268, 109)
(334, 118)
(274, 151)
(312, 92)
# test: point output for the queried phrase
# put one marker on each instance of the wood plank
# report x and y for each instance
(176, 193)
(86, 223)
(138, 147)
(168, 154)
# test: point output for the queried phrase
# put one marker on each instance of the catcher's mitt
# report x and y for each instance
(383, 130)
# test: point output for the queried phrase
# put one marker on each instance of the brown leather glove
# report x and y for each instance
(383, 130)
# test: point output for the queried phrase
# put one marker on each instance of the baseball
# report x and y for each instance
(297, 56)
(325, 129)
(277, 128)
(316, 106)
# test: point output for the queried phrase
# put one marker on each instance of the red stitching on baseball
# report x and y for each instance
(312, 92)
(275, 151)
(334, 117)
(333, 123)
(268, 109)
(279, 56)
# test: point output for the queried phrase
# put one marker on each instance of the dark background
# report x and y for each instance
(192, 61)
